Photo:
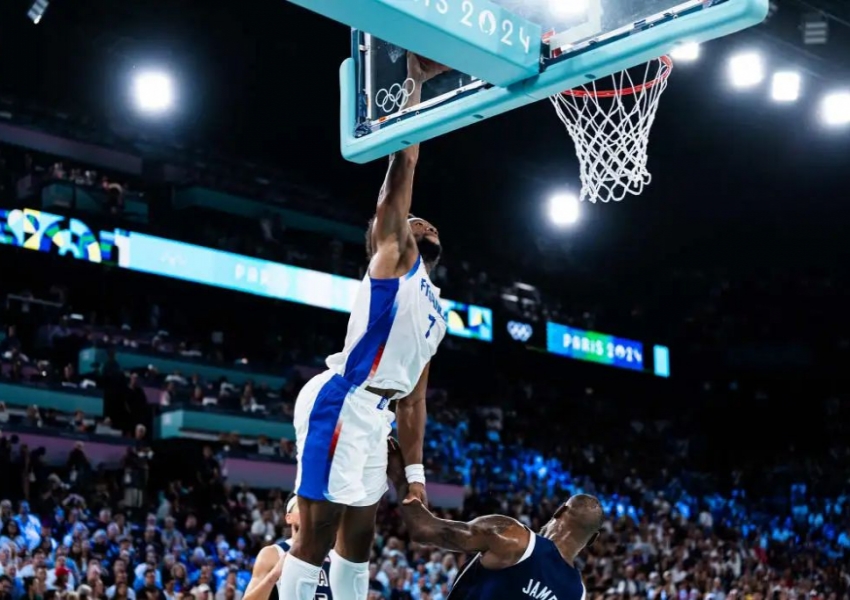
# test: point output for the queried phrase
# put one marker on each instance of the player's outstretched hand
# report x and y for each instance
(421, 69)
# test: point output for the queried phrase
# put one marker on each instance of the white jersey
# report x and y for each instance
(393, 331)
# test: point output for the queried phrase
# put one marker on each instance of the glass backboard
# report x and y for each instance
(582, 40)
(569, 26)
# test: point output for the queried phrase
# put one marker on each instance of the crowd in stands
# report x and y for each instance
(686, 520)
(83, 530)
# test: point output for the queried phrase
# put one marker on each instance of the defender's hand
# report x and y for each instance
(416, 491)
(395, 466)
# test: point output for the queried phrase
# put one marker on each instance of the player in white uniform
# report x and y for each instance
(342, 417)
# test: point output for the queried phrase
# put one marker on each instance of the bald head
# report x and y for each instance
(585, 515)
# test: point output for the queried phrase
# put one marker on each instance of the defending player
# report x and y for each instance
(342, 417)
(511, 561)
(265, 578)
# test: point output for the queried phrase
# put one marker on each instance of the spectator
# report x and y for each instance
(149, 588)
(10, 345)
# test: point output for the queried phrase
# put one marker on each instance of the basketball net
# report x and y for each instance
(610, 129)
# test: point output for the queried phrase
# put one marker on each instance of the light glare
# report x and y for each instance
(835, 109)
(746, 70)
(153, 92)
(688, 51)
(568, 8)
(564, 209)
(785, 86)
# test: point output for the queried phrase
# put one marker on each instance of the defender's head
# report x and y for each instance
(427, 240)
(577, 523)
(292, 517)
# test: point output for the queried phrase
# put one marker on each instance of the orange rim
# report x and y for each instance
(629, 91)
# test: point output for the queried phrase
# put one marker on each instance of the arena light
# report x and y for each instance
(746, 70)
(564, 209)
(37, 10)
(835, 109)
(785, 86)
(153, 92)
(815, 28)
(686, 52)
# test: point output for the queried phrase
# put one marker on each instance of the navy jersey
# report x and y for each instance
(542, 574)
(323, 592)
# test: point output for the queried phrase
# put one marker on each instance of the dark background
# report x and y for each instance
(740, 182)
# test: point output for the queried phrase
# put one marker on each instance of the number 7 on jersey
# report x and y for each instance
(433, 320)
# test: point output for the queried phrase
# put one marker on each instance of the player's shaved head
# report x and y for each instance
(425, 234)
(576, 524)
(585, 514)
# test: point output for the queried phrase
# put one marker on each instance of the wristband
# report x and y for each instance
(415, 473)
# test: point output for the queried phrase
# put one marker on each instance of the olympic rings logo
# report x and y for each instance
(394, 98)
(521, 332)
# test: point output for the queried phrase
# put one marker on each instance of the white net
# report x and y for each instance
(610, 129)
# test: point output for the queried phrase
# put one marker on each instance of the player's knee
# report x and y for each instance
(355, 539)
(315, 540)
(312, 549)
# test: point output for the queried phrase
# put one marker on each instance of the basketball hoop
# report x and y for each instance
(610, 129)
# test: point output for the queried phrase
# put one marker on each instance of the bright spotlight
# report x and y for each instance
(746, 70)
(564, 209)
(568, 8)
(686, 52)
(785, 86)
(835, 108)
(153, 92)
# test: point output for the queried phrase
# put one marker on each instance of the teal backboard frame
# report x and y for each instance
(404, 23)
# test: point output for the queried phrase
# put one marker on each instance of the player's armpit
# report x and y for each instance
(502, 537)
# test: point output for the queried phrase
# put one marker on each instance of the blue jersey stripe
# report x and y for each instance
(316, 457)
(382, 307)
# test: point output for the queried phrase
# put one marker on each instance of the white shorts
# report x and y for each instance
(341, 436)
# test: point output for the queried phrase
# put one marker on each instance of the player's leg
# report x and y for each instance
(349, 574)
(317, 420)
(319, 523)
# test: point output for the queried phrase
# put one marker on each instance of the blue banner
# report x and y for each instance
(593, 346)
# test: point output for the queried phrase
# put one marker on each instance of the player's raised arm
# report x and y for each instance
(390, 233)
(501, 540)
(267, 569)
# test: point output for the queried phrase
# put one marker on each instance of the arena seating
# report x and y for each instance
(122, 470)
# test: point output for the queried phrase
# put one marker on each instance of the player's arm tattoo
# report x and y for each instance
(494, 533)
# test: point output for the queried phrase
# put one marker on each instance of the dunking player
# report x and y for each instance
(265, 579)
(342, 417)
(511, 561)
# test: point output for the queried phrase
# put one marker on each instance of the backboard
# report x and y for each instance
(574, 42)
